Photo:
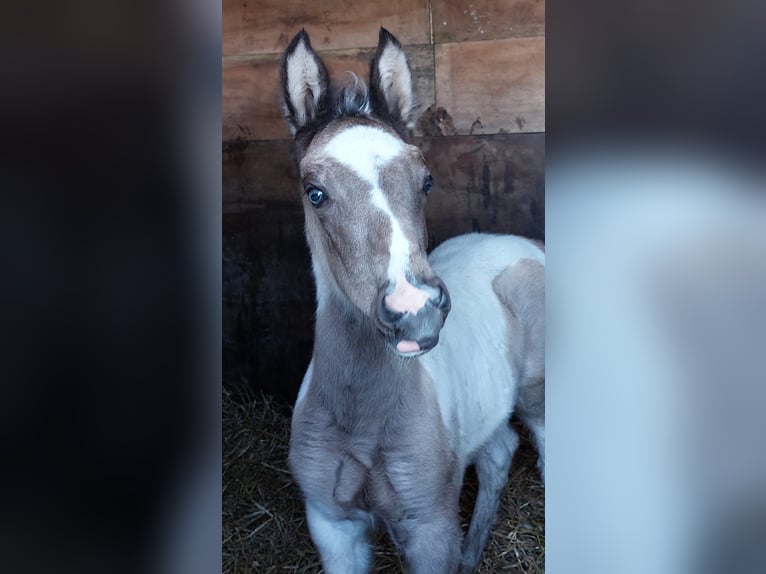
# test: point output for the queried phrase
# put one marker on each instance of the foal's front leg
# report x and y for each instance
(430, 545)
(419, 506)
(342, 542)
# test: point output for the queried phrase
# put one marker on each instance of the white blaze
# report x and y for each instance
(365, 150)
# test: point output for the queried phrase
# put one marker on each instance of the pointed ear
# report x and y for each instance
(391, 92)
(304, 83)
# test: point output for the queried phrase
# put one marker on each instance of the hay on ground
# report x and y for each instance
(264, 528)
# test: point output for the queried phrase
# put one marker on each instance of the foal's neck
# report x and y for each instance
(359, 376)
(346, 336)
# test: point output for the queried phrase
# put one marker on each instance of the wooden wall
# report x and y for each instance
(479, 76)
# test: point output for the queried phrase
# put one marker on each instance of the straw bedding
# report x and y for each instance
(264, 529)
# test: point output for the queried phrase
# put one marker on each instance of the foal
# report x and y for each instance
(395, 402)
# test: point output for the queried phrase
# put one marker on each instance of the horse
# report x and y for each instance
(418, 361)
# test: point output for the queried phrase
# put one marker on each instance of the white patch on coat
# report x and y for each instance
(302, 77)
(476, 384)
(365, 150)
(342, 542)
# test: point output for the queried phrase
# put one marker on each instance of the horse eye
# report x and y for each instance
(427, 184)
(316, 196)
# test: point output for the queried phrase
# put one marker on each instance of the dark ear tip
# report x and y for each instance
(300, 36)
(386, 36)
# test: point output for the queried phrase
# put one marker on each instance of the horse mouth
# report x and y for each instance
(412, 334)
(409, 349)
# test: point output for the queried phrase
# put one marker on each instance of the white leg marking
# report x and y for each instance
(342, 544)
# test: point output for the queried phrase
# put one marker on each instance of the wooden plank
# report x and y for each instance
(267, 26)
(251, 91)
(494, 184)
(487, 19)
(268, 298)
(256, 174)
(268, 290)
(482, 183)
(494, 86)
(251, 100)
(490, 183)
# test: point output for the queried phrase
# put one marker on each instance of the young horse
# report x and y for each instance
(387, 419)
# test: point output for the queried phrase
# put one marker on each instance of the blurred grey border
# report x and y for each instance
(110, 250)
(656, 287)
(110, 292)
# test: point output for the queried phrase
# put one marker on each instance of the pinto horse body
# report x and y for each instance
(418, 361)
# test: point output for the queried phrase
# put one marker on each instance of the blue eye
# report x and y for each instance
(316, 196)
(427, 184)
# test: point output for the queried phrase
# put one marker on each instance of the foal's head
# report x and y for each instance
(365, 192)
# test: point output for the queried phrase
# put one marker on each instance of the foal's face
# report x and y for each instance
(365, 192)
(364, 196)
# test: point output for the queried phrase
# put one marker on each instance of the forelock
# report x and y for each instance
(353, 99)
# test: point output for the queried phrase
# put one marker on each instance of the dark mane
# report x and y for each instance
(352, 99)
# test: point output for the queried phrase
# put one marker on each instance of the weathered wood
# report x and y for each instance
(494, 86)
(482, 183)
(268, 291)
(255, 174)
(268, 297)
(487, 19)
(251, 88)
(250, 100)
(267, 26)
(494, 184)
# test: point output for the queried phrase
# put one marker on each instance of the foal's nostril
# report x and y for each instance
(442, 299)
(387, 316)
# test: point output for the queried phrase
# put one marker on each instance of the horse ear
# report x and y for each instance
(391, 93)
(304, 83)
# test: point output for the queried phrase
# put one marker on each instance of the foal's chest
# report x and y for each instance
(390, 465)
